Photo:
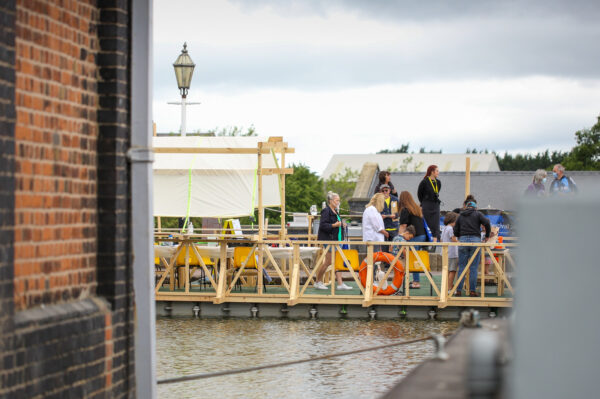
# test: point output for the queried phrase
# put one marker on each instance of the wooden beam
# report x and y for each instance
(444, 286)
(277, 171)
(295, 278)
(220, 294)
(468, 177)
(369, 283)
(215, 150)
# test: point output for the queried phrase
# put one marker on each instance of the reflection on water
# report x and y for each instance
(195, 346)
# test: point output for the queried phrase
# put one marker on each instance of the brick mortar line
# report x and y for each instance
(25, 12)
(35, 94)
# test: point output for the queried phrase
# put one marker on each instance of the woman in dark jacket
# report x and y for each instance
(412, 215)
(429, 197)
(331, 228)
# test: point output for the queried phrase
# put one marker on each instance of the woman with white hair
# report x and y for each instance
(331, 228)
(537, 188)
(372, 223)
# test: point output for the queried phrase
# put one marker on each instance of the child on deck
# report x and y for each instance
(407, 235)
(448, 236)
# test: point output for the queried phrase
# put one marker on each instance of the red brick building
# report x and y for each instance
(66, 265)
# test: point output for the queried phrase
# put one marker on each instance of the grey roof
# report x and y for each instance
(497, 190)
(411, 162)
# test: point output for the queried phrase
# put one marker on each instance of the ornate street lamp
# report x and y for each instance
(184, 68)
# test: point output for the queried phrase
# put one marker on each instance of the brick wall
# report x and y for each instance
(55, 160)
(66, 296)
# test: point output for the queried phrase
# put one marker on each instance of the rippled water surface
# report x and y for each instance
(195, 346)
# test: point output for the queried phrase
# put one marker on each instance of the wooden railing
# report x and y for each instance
(295, 276)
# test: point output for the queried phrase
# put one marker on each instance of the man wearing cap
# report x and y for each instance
(390, 212)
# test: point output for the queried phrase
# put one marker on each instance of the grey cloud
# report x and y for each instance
(402, 10)
(536, 48)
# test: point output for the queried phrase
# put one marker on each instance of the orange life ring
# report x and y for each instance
(398, 272)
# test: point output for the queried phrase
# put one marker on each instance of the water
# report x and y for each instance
(194, 346)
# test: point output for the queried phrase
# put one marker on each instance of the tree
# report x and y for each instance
(342, 183)
(586, 154)
(402, 150)
(303, 188)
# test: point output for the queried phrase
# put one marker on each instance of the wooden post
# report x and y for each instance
(261, 210)
(187, 267)
(444, 286)
(220, 295)
(159, 224)
(259, 268)
(282, 194)
(310, 221)
(332, 275)
(369, 282)
(468, 177)
(154, 129)
(482, 272)
(295, 278)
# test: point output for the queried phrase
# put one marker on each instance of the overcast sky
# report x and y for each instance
(361, 76)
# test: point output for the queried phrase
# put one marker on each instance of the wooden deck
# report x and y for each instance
(229, 280)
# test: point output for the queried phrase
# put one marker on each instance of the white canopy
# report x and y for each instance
(211, 185)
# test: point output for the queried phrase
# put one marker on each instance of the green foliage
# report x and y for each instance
(586, 154)
(303, 188)
(233, 131)
(402, 150)
(342, 183)
(541, 160)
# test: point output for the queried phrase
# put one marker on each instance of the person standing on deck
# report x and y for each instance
(373, 228)
(412, 215)
(468, 230)
(428, 193)
(385, 178)
(331, 228)
(561, 184)
(390, 213)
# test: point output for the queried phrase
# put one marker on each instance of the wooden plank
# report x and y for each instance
(276, 267)
(482, 262)
(431, 281)
(259, 276)
(277, 171)
(464, 271)
(220, 294)
(282, 196)
(468, 176)
(187, 266)
(168, 271)
(501, 273)
(351, 270)
(215, 150)
(314, 270)
(203, 265)
(242, 267)
(444, 285)
(369, 283)
(295, 278)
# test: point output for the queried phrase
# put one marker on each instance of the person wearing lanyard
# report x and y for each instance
(429, 197)
(331, 228)
(390, 213)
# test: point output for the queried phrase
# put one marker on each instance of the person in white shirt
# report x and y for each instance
(373, 228)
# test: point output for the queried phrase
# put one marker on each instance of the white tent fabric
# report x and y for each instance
(212, 185)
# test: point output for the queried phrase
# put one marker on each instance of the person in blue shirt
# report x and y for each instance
(561, 184)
